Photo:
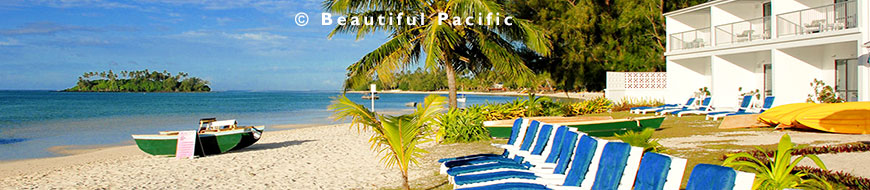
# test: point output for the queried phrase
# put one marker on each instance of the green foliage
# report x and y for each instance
(139, 81)
(462, 126)
(778, 172)
(591, 37)
(628, 103)
(509, 110)
(643, 139)
(395, 137)
(703, 91)
(597, 105)
(823, 93)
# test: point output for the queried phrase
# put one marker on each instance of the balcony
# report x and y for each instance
(833, 17)
(690, 39)
(743, 31)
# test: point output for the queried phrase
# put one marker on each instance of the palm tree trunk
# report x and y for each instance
(451, 85)
(405, 181)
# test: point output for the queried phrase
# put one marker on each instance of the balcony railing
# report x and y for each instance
(691, 39)
(743, 31)
(833, 17)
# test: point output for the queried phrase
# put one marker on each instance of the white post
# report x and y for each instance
(373, 88)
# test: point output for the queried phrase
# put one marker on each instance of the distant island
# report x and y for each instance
(139, 81)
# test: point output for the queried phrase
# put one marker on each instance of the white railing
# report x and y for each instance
(691, 39)
(833, 17)
(743, 31)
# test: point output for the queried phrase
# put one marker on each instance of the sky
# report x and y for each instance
(234, 44)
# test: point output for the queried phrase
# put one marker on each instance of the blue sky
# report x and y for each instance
(235, 44)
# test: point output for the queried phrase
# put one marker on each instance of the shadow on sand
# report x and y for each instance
(267, 146)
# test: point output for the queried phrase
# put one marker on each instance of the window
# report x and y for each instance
(847, 79)
(768, 80)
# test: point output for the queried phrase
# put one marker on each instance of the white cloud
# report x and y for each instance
(9, 42)
(262, 36)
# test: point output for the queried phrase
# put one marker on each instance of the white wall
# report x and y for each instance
(686, 76)
(736, 74)
(793, 71)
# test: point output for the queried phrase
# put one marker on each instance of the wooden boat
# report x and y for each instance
(214, 137)
(502, 128)
(606, 128)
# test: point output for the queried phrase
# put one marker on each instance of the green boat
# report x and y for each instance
(502, 128)
(594, 126)
(214, 137)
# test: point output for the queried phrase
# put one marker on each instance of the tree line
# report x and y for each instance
(139, 81)
(572, 42)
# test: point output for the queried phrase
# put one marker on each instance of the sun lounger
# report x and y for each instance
(616, 168)
(527, 148)
(706, 176)
(659, 108)
(519, 125)
(659, 171)
(540, 157)
(705, 105)
(768, 103)
(745, 104)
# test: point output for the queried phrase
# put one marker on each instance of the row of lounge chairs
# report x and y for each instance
(705, 109)
(546, 156)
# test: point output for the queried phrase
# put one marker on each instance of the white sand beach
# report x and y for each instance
(321, 157)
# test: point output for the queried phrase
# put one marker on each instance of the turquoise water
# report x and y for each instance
(32, 121)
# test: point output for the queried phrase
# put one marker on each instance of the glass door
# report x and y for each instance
(768, 80)
(847, 79)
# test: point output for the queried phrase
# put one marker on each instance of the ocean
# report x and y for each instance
(33, 121)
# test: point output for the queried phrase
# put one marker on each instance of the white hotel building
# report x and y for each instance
(776, 46)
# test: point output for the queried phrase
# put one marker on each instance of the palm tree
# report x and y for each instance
(454, 48)
(397, 137)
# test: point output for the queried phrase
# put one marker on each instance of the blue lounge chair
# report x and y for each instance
(614, 166)
(745, 105)
(659, 108)
(508, 156)
(768, 103)
(659, 171)
(479, 176)
(540, 157)
(520, 124)
(713, 177)
(705, 106)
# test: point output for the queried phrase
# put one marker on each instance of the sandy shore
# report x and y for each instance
(573, 95)
(322, 157)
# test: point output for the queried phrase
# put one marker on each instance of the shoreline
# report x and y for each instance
(569, 95)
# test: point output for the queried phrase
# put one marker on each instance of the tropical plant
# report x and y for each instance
(453, 48)
(596, 105)
(396, 137)
(823, 93)
(777, 172)
(139, 81)
(628, 103)
(643, 139)
(462, 126)
(533, 104)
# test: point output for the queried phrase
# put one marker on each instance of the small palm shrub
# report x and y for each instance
(778, 171)
(628, 103)
(462, 126)
(511, 110)
(597, 105)
(397, 138)
(643, 139)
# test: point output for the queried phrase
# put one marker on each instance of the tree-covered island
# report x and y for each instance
(139, 81)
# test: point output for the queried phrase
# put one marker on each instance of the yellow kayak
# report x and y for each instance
(850, 117)
(784, 115)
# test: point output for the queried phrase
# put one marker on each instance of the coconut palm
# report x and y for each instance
(396, 137)
(453, 48)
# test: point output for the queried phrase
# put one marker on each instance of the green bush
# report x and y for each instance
(500, 111)
(628, 103)
(643, 139)
(462, 126)
(597, 105)
(823, 93)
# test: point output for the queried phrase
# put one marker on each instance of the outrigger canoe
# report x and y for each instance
(597, 126)
(214, 137)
